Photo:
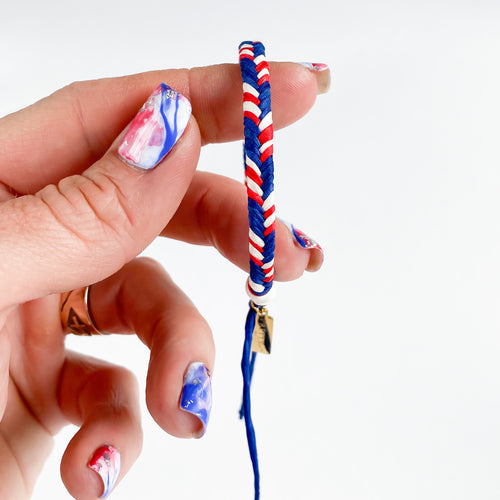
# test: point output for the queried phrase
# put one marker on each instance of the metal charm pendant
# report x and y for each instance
(263, 331)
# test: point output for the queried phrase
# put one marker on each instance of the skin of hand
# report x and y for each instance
(73, 213)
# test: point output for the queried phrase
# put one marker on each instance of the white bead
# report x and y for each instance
(260, 300)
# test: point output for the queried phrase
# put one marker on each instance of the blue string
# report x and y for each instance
(247, 364)
(253, 357)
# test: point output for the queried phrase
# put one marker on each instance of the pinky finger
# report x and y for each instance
(103, 400)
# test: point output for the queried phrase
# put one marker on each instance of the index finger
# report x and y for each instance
(66, 132)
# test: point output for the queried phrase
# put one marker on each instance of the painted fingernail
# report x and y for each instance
(156, 128)
(322, 73)
(302, 240)
(106, 461)
(196, 397)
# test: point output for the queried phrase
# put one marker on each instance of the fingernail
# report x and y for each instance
(106, 461)
(322, 73)
(196, 397)
(156, 128)
(302, 240)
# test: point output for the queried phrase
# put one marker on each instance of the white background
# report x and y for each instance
(384, 382)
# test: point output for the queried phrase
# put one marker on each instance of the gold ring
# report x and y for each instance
(75, 313)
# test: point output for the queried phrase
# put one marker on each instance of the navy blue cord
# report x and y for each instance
(247, 362)
(251, 366)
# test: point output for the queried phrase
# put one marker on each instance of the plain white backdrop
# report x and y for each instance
(384, 382)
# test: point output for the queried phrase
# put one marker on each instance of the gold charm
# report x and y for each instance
(263, 331)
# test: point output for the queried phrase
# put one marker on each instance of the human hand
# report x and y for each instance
(73, 213)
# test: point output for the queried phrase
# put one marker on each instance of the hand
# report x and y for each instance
(73, 213)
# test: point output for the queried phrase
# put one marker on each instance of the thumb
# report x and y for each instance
(88, 226)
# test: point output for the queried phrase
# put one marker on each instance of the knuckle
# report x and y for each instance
(147, 265)
(120, 385)
(78, 88)
(72, 92)
(72, 88)
(104, 197)
(75, 95)
(92, 208)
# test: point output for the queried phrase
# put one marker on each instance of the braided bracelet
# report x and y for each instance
(259, 181)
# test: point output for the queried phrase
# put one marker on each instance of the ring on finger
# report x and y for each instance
(75, 313)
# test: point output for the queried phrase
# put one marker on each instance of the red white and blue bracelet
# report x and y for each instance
(259, 181)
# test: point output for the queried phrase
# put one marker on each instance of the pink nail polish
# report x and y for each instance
(316, 66)
(106, 461)
(156, 128)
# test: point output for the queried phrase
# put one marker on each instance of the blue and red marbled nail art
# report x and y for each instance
(196, 397)
(300, 238)
(156, 128)
(106, 461)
